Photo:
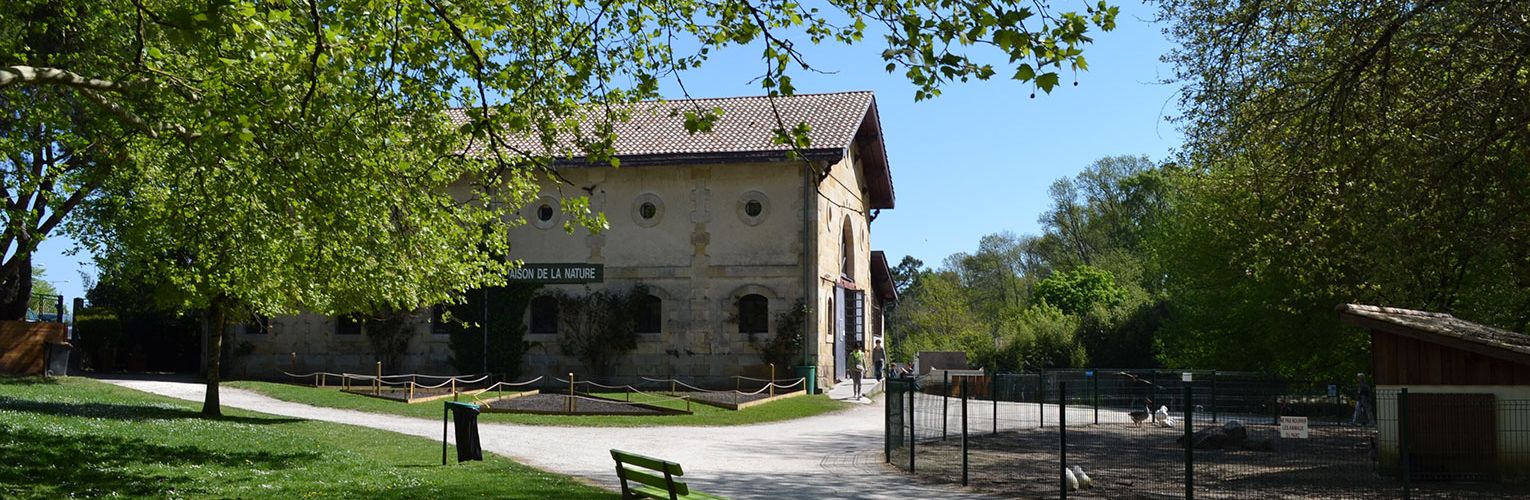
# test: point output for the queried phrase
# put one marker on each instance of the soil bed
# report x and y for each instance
(402, 393)
(1144, 462)
(584, 405)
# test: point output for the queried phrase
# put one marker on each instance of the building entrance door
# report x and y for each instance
(836, 316)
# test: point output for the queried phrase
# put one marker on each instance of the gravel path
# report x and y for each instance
(838, 455)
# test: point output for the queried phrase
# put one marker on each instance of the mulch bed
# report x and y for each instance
(1145, 462)
(557, 404)
(723, 397)
(402, 393)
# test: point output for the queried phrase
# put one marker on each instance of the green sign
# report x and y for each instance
(552, 274)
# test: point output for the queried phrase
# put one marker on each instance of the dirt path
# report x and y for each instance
(838, 455)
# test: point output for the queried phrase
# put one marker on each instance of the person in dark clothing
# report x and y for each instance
(878, 358)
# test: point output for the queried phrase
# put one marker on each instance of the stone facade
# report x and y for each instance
(701, 230)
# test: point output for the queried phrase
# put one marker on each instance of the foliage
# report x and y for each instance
(119, 442)
(506, 323)
(599, 328)
(169, 340)
(100, 336)
(1342, 151)
(703, 415)
(1079, 290)
(389, 333)
(784, 349)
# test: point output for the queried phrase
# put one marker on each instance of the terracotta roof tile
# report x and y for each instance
(745, 125)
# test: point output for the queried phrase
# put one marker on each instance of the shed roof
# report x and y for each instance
(1438, 328)
(838, 123)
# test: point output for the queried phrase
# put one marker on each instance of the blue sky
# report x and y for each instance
(975, 161)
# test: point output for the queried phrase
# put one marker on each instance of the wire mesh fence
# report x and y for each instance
(1202, 434)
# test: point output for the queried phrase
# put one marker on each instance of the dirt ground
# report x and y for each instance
(402, 393)
(1126, 461)
(722, 397)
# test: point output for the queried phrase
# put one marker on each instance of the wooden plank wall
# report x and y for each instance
(21, 345)
(1405, 361)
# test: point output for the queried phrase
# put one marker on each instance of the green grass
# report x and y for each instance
(785, 409)
(78, 437)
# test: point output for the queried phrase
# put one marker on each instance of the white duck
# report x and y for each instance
(1162, 418)
(1072, 479)
(1083, 479)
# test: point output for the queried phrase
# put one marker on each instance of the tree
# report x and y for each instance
(1342, 151)
(245, 152)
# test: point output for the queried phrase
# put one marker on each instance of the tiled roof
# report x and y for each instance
(658, 127)
(1443, 325)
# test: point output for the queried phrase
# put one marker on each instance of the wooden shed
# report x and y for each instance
(1467, 410)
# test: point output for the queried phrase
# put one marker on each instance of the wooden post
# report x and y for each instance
(671, 384)
(772, 382)
(294, 362)
(571, 392)
(377, 382)
(316, 380)
(411, 389)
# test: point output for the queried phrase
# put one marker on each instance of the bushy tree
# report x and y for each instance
(1344, 151)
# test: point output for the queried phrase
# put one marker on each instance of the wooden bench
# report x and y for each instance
(634, 468)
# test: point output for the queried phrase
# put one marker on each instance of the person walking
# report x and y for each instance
(878, 358)
(1364, 415)
(857, 365)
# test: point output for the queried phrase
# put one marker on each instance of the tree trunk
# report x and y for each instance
(16, 290)
(217, 315)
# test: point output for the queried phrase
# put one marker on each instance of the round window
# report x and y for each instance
(753, 207)
(647, 210)
(545, 212)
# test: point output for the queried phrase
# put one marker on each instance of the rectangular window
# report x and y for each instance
(258, 325)
(650, 314)
(544, 316)
(348, 324)
(440, 326)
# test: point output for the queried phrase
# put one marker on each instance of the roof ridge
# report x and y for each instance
(725, 98)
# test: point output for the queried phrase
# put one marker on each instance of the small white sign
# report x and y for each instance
(1184, 377)
(1293, 427)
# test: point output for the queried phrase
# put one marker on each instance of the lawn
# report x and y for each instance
(82, 438)
(784, 409)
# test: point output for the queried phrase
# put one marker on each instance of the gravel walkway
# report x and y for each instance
(838, 455)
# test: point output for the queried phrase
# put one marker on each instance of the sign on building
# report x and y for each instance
(1293, 427)
(559, 273)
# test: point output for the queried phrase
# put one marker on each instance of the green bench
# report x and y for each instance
(634, 468)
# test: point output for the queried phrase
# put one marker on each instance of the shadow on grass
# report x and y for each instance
(124, 412)
(25, 381)
(92, 465)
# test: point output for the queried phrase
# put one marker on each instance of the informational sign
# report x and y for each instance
(560, 273)
(1333, 391)
(1185, 377)
(1088, 373)
(1293, 427)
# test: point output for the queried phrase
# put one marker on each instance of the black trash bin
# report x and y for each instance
(465, 416)
(57, 363)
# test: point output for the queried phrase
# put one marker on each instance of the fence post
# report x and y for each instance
(1406, 469)
(1041, 399)
(993, 395)
(886, 421)
(1189, 406)
(912, 417)
(1095, 391)
(945, 404)
(964, 431)
(1214, 397)
(1062, 434)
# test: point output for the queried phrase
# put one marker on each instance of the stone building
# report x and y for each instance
(726, 230)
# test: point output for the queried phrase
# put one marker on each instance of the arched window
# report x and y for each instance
(544, 315)
(753, 314)
(650, 314)
(847, 253)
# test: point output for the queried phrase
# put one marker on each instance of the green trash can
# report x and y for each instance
(810, 373)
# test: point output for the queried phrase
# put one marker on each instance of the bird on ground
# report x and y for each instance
(1083, 479)
(1161, 417)
(1142, 415)
(1072, 480)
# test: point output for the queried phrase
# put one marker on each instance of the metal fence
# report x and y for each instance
(1210, 435)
